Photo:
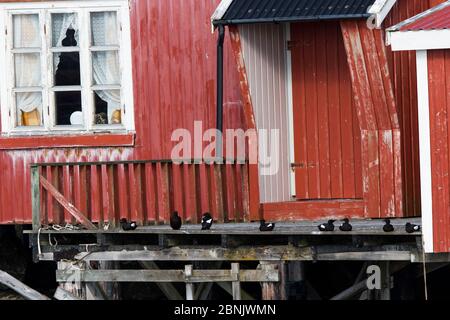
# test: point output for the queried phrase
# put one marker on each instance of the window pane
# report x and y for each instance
(68, 108)
(104, 28)
(26, 31)
(107, 107)
(29, 109)
(65, 30)
(66, 69)
(27, 67)
(105, 66)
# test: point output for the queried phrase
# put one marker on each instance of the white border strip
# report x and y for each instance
(419, 40)
(380, 9)
(425, 150)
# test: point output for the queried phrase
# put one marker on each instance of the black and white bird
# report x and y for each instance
(329, 226)
(175, 221)
(346, 226)
(388, 227)
(207, 221)
(264, 227)
(411, 228)
(128, 226)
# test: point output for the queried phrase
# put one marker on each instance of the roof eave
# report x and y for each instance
(290, 19)
(380, 10)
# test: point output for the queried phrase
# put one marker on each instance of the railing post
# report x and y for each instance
(35, 198)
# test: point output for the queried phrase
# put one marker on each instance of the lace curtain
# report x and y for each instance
(105, 64)
(27, 66)
(61, 22)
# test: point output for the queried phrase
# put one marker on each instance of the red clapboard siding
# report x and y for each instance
(173, 55)
(439, 103)
(325, 124)
(403, 69)
(139, 179)
(378, 119)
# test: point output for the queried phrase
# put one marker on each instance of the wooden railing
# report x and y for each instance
(97, 193)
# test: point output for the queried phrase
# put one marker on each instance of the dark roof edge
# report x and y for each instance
(292, 19)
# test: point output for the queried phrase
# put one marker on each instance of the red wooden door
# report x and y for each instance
(327, 134)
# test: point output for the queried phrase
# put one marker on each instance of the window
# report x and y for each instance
(67, 67)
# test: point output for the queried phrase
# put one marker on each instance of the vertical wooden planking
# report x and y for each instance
(113, 216)
(50, 200)
(84, 183)
(177, 190)
(238, 191)
(77, 189)
(150, 193)
(162, 176)
(245, 193)
(95, 195)
(123, 191)
(387, 190)
(438, 65)
(190, 187)
(322, 116)
(229, 192)
(203, 189)
(249, 117)
(67, 191)
(336, 144)
(44, 198)
(313, 164)
(105, 195)
(132, 189)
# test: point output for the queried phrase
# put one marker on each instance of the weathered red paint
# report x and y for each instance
(378, 119)
(327, 150)
(174, 85)
(249, 116)
(132, 190)
(440, 19)
(439, 102)
(332, 209)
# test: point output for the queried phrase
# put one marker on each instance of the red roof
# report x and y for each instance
(436, 18)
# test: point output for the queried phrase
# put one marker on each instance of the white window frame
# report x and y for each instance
(83, 9)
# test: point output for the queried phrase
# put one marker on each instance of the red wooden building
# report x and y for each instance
(429, 35)
(345, 106)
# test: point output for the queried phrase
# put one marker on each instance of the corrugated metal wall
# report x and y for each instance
(265, 61)
(174, 63)
(439, 99)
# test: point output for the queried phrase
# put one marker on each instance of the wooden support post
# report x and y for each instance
(227, 287)
(75, 286)
(61, 294)
(236, 285)
(203, 290)
(273, 290)
(189, 285)
(385, 292)
(167, 288)
(110, 289)
(35, 199)
(20, 288)
(296, 284)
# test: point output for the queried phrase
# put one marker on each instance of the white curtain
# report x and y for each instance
(61, 22)
(27, 65)
(106, 63)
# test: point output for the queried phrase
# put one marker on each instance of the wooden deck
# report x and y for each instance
(309, 228)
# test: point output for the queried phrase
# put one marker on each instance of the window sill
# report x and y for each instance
(67, 141)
